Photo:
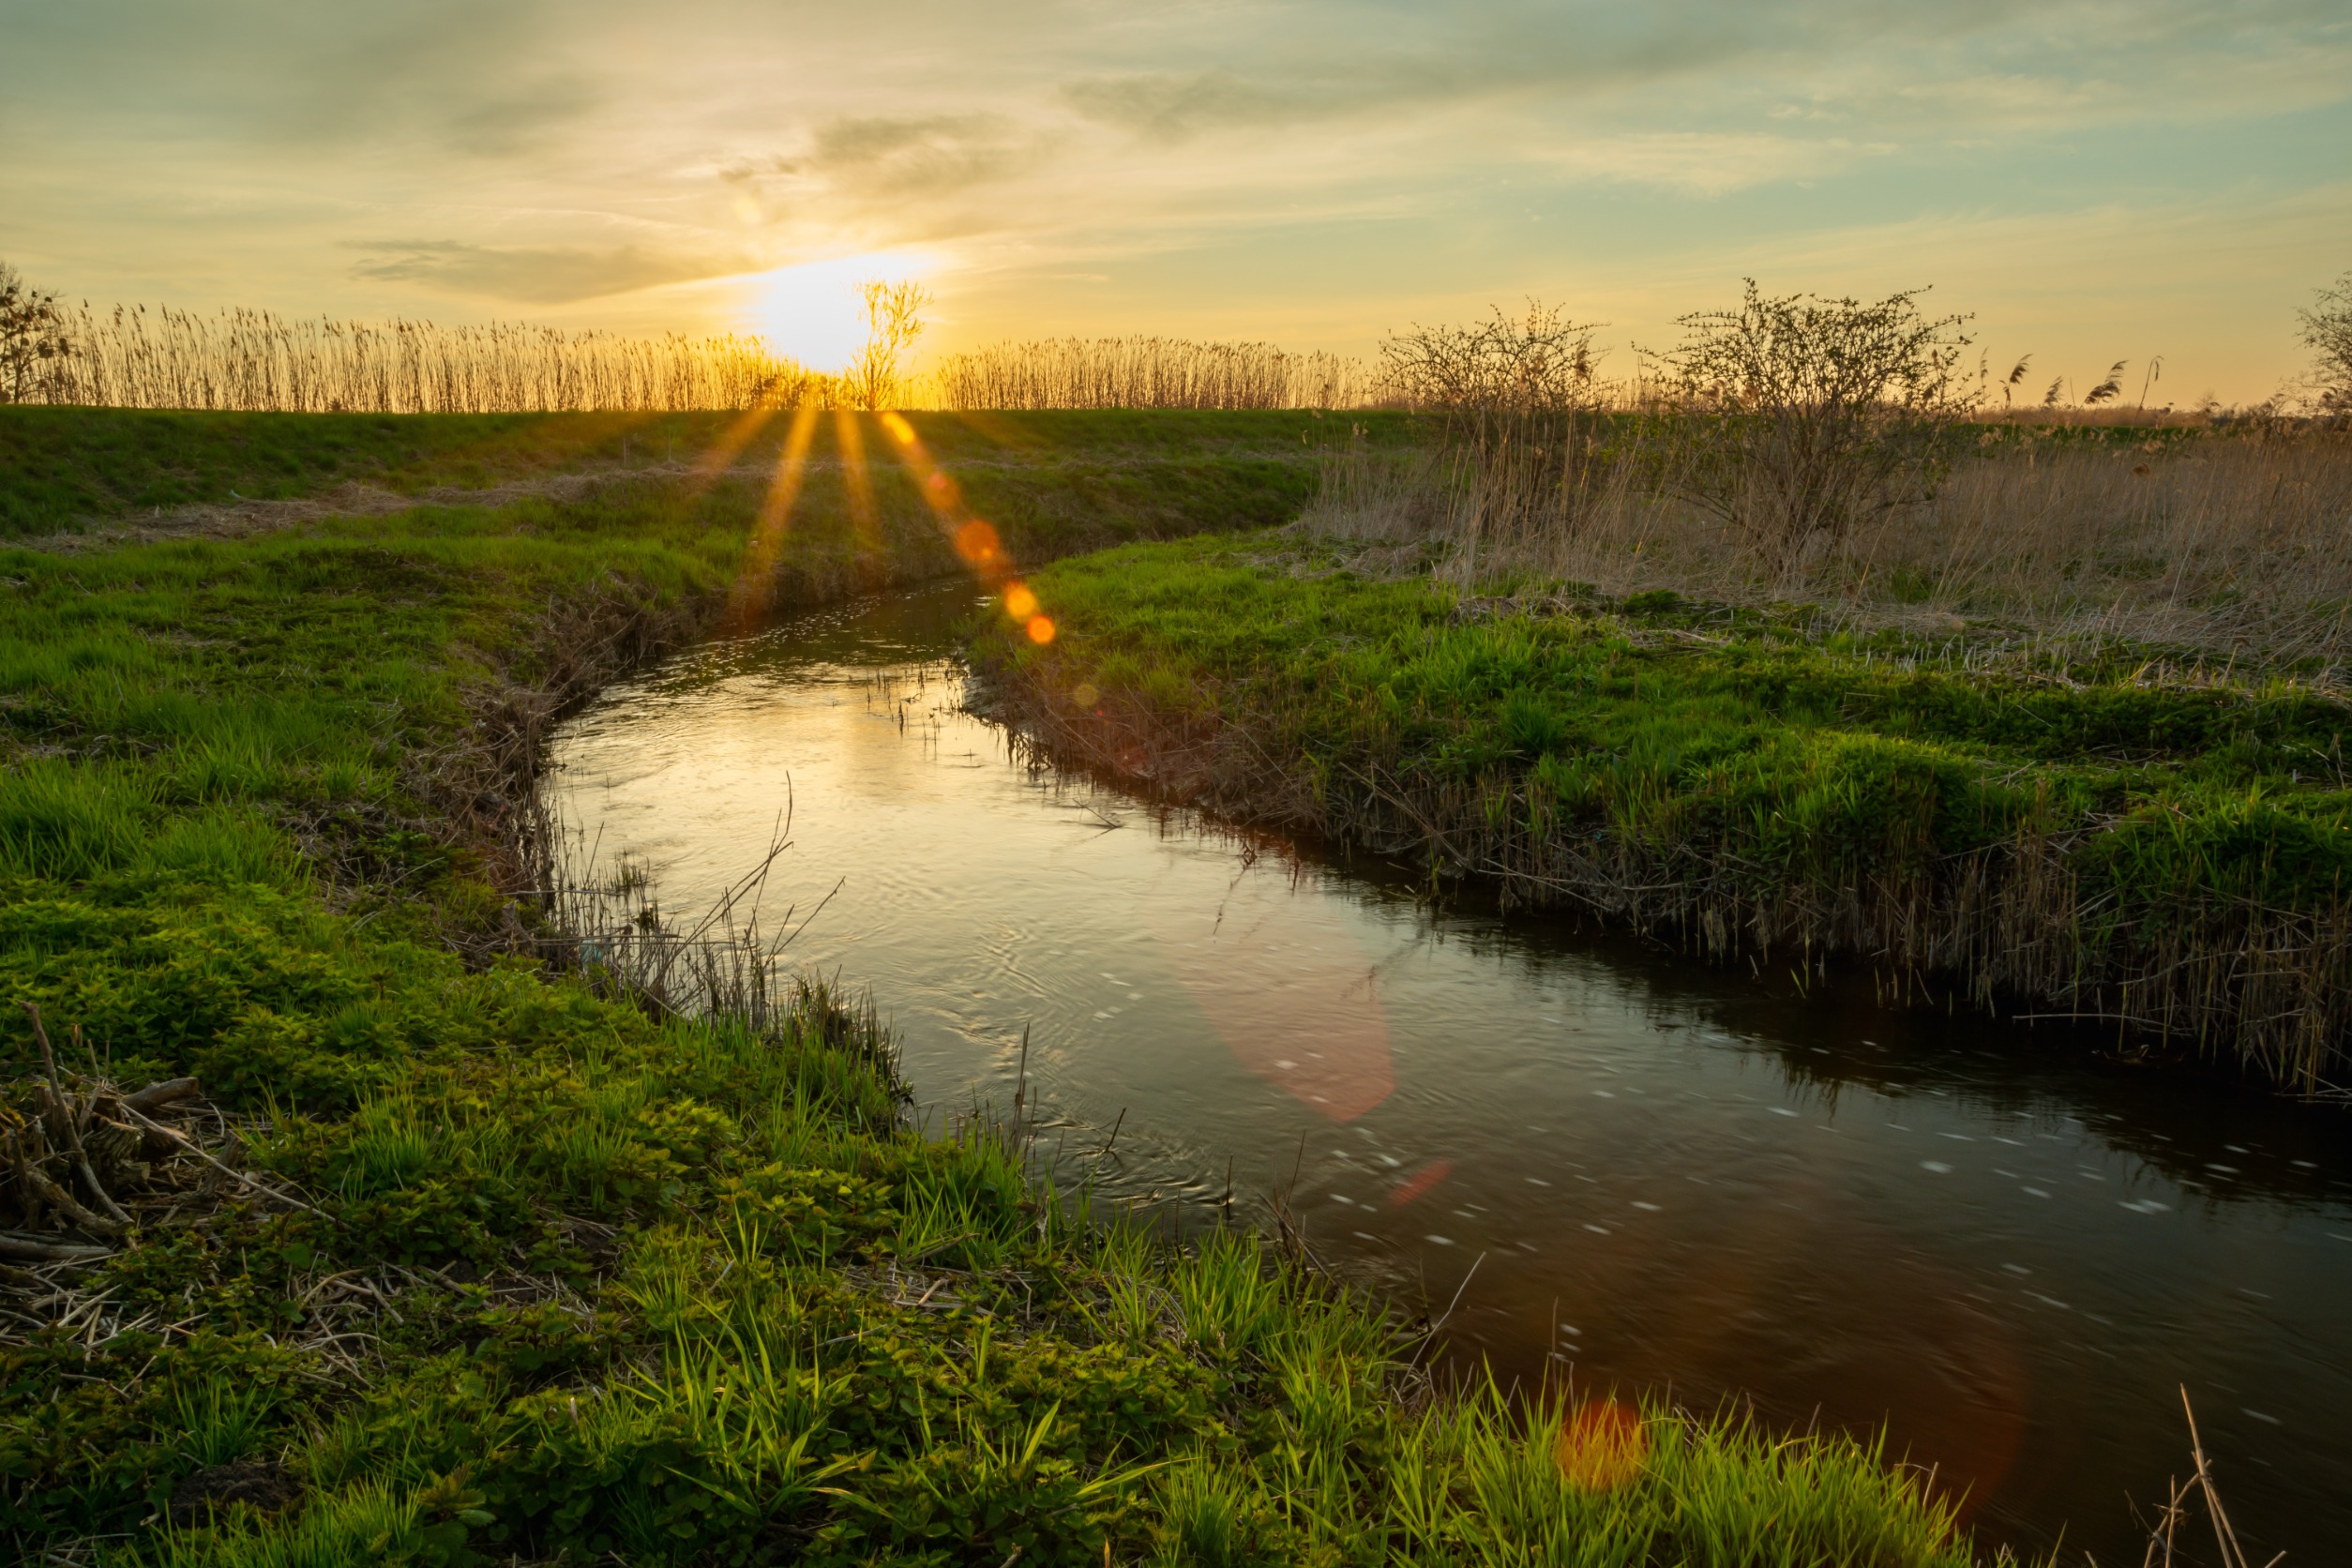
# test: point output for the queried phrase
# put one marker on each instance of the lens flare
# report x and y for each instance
(1040, 629)
(977, 543)
(1602, 1446)
(1019, 603)
(1419, 1183)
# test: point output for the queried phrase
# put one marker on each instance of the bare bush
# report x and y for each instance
(1796, 418)
(2328, 332)
(1526, 451)
(32, 339)
(1144, 372)
(1536, 362)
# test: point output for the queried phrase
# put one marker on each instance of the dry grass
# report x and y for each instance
(1145, 372)
(2234, 543)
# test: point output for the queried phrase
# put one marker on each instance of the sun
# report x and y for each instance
(812, 313)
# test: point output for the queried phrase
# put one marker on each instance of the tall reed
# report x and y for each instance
(250, 360)
(1146, 372)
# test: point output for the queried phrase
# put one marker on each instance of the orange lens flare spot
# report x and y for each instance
(1420, 1182)
(1019, 603)
(1040, 629)
(900, 431)
(1602, 1446)
(976, 542)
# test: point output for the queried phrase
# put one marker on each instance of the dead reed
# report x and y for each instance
(249, 360)
(1145, 372)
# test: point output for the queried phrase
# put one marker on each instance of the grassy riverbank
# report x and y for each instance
(64, 470)
(445, 1255)
(2049, 824)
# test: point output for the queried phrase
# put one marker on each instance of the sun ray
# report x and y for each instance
(850, 437)
(755, 588)
(720, 455)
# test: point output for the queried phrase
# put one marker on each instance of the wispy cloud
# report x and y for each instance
(528, 275)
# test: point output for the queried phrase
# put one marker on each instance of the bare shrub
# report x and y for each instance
(1537, 363)
(1526, 450)
(2328, 332)
(1795, 419)
(32, 339)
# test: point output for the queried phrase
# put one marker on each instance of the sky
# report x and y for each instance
(2093, 180)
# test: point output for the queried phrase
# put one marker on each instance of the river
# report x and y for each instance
(1613, 1163)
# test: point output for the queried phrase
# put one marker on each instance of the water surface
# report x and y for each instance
(1614, 1163)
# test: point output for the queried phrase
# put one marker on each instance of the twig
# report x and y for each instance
(2233, 1555)
(51, 1252)
(156, 1095)
(1431, 1337)
(188, 1144)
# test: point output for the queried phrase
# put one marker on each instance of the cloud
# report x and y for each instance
(924, 156)
(1700, 163)
(1175, 108)
(527, 275)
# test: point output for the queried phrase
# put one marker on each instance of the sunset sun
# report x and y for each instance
(812, 313)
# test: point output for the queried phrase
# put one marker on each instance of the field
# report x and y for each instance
(2107, 781)
(460, 1247)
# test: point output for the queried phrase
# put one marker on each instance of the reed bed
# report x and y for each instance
(1146, 372)
(257, 361)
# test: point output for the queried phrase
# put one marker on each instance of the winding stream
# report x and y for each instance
(1631, 1168)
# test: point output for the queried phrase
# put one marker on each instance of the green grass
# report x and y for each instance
(1685, 762)
(584, 1280)
(62, 469)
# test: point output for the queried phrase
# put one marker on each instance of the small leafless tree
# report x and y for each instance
(1795, 419)
(35, 347)
(2328, 332)
(894, 319)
